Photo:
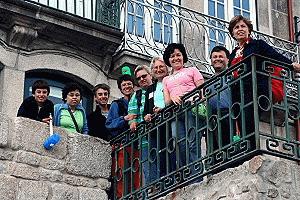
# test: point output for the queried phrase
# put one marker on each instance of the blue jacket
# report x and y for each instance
(115, 121)
(57, 113)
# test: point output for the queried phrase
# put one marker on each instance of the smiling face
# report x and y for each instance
(159, 70)
(144, 79)
(101, 96)
(73, 98)
(219, 61)
(176, 60)
(241, 31)
(127, 88)
(40, 96)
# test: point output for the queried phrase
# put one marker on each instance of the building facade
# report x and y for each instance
(88, 41)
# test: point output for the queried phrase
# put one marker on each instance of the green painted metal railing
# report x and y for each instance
(223, 137)
(103, 11)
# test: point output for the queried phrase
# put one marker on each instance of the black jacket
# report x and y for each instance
(29, 109)
(96, 123)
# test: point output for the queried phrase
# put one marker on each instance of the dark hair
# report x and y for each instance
(69, 87)
(170, 49)
(103, 86)
(124, 77)
(235, 20)
(40, 84)
(218, 49)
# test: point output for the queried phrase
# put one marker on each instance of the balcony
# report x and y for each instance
(150, 27)
(254, 125)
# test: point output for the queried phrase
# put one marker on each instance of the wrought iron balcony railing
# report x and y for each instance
(150, 25)
(225, 136)
(103, 11)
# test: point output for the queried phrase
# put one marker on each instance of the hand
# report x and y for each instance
(130, 117)
(296, 66)
(147, 118)
(156, 109)
(133, 126)
(46, 120)
(176, 100)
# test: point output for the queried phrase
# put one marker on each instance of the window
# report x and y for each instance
(163, 22)
(151, 21)
(225, 10)
(136, 18)
(56, 85)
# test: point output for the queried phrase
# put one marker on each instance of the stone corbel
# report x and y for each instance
(22, 36)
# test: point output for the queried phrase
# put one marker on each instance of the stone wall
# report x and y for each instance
(263, 177)
(77, 168)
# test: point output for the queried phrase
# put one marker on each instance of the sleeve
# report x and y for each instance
(270, 52)
(22, 111)
(114, 121)
(56, 115)
(132, 107)
(85, 128)
(196, 74)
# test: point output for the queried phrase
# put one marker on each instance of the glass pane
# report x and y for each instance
(237, 12)
(212, 45)
(246, 14)
(157, 16)
(167, 34)
(221, 36)
(246, 5)
(236, 3)
(212, 34)
(168, 19)
(221, 11)
(139, 26)
(130, 24)
(222, 1)
(157, 32)
(130, 8)
(139, 9)
(211, 8)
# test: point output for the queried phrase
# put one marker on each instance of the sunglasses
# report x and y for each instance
(143, 76)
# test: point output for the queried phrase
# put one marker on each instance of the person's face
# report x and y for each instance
(73, 98)
(101, 97)
(40, 96)
(219, 61)
(159, 69)
(240, 31)
(127, 88)
(176, 60)
(144, 79)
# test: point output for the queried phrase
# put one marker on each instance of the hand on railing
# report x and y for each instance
(296, 67)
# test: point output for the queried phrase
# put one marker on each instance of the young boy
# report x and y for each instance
(37, 107)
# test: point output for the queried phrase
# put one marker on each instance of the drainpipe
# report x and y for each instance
(290, 20)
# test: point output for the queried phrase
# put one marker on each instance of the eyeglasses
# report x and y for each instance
(143, 76)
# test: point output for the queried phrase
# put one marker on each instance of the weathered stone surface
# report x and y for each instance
(51, 163)
(6, 154)
(28, 158)
(32, 139)
(23, 171)
(103, 184)
(64, 192)
(5, 129)
(88, 156)
(50, 175)
(92, 194)
(263, 177)
(79, 181)
(8, 187)
(29, 190)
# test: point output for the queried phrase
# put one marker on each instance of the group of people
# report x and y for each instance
(165, 83)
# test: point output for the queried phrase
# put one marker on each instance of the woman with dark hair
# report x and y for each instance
(71, 115)
(240, 29)
(182, 81)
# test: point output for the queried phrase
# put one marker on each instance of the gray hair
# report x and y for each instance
(141, 67)
(154, 59)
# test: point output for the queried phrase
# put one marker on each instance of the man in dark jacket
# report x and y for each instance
(37, 107)
(96, 120)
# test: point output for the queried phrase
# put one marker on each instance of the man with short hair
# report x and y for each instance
(117, 123)
(37, 107)
(96, 120)
(221, 102)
